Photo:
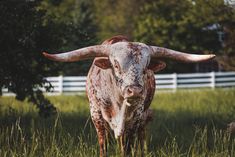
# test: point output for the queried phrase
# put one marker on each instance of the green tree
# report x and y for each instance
(116, 17)
(77, 28)
(190, 26)
(30, 27)
(227, 54)
(23, 38)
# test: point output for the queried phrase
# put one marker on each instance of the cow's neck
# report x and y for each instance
(119, 106)
(118, 121)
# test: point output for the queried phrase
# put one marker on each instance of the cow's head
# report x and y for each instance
(129, 61)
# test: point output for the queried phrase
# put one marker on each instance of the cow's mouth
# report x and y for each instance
(132, 101)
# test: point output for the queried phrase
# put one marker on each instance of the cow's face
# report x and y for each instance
(129, 62)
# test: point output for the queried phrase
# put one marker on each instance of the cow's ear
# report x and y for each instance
(156, 66)
(102, 63)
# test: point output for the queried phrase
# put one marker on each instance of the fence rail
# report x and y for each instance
(76, 84)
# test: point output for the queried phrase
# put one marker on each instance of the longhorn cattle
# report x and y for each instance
(121, 85)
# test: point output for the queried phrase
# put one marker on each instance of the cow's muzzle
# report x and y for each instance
(133, 93)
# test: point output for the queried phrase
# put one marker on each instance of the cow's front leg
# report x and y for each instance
(102, 142)
(121, 145)
(100, 129)
(126, 143)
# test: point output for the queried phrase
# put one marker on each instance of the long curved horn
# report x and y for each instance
(160, 52)
(79, 54)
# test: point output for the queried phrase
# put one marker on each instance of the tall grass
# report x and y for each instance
(186, 123)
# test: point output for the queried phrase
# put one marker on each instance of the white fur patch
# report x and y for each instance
(118, 122)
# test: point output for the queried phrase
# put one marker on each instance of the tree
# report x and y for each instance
(23, 38)
(190, 26)
(226, 14)
(116, 17)
(77, 28)
(30, 27)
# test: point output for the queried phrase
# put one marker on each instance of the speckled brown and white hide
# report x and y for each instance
(107, 90)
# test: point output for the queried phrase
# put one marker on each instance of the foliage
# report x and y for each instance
(23, 38)
(116, 17)
(227, 58)
(186, 123)
(30, 27)
(189, 26)
(76, 26)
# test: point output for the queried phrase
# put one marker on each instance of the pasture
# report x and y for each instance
(186, 123)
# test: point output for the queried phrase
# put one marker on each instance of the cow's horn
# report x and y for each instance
(160, 52)
(79, 54)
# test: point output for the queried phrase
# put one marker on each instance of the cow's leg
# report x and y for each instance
(102, 142)
(128, 143)
(125, 143)
(147, 117)
(100, 129)
(121, 145)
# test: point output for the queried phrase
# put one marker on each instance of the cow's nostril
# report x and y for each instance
(129, 91)
(133, 91)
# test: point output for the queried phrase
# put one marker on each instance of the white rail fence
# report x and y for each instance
(77, 84)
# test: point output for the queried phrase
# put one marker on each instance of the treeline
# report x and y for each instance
(194, 26)
(28, 27)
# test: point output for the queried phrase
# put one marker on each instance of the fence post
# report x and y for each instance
(174, 75)
(212, 79)
(60, 82)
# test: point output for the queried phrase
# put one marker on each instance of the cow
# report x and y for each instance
(121, 85)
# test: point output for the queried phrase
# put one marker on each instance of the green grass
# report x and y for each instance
(186, 123)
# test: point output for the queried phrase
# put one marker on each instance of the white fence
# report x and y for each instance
(76, 84)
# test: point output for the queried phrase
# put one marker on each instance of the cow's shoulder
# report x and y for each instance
(115, 39)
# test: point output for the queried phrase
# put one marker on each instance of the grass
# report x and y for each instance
(186, 123)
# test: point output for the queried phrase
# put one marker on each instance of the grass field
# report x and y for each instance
(186, 123)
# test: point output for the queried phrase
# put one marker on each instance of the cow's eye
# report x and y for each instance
(117, 66)
(144, 71)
